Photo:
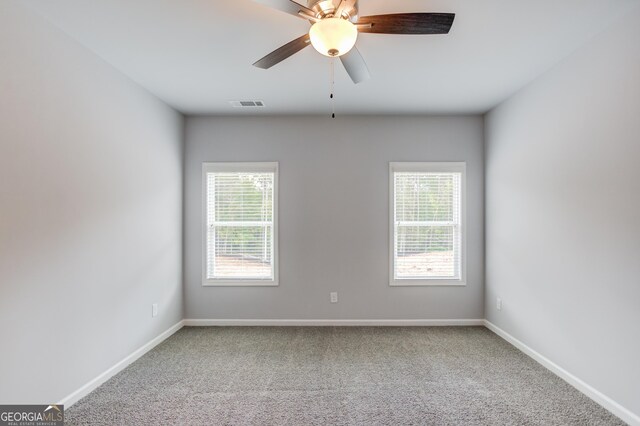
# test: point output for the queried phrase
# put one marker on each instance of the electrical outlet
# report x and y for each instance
(154, 310)
(334, 296)
(499, 304)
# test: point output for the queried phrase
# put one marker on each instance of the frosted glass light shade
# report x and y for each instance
(333, 36)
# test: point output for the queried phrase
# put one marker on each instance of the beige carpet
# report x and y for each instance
(336, 376)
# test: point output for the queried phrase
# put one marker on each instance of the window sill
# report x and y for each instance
(238, 283)
(427, 283)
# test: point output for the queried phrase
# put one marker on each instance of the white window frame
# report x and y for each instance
(429, 167)
(232, 167)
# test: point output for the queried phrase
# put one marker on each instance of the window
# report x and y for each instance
(240, 223)
(427, 223)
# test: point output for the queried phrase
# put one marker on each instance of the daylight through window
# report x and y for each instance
(427, 221)
(241, 223)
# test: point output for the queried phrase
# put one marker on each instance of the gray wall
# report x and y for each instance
(563, 214)
(334, 214)
(90, 212)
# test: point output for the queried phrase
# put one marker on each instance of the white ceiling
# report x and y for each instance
(196, 55)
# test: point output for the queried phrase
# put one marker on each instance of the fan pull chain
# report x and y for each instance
(333, 101)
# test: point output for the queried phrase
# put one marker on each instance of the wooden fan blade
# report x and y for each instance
(288, 6)
(355, 65)
(283, 52)
(407, 23)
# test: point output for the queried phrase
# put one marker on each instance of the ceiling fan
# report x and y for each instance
(335, 27)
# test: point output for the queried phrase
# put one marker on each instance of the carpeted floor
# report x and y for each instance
(336, 376)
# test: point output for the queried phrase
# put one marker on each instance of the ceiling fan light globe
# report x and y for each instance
(333, 36)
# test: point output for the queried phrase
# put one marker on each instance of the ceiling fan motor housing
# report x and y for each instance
(326, 8)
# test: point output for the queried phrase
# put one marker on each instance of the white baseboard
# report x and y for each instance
(77, 395)
(332, 322)
(606, 402)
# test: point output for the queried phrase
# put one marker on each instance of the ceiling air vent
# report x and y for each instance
(245, 104)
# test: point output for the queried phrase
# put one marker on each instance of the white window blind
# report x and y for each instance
(240, 223)
(427, 222)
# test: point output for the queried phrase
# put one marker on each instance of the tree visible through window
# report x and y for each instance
(240, 234)
(427, 222)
